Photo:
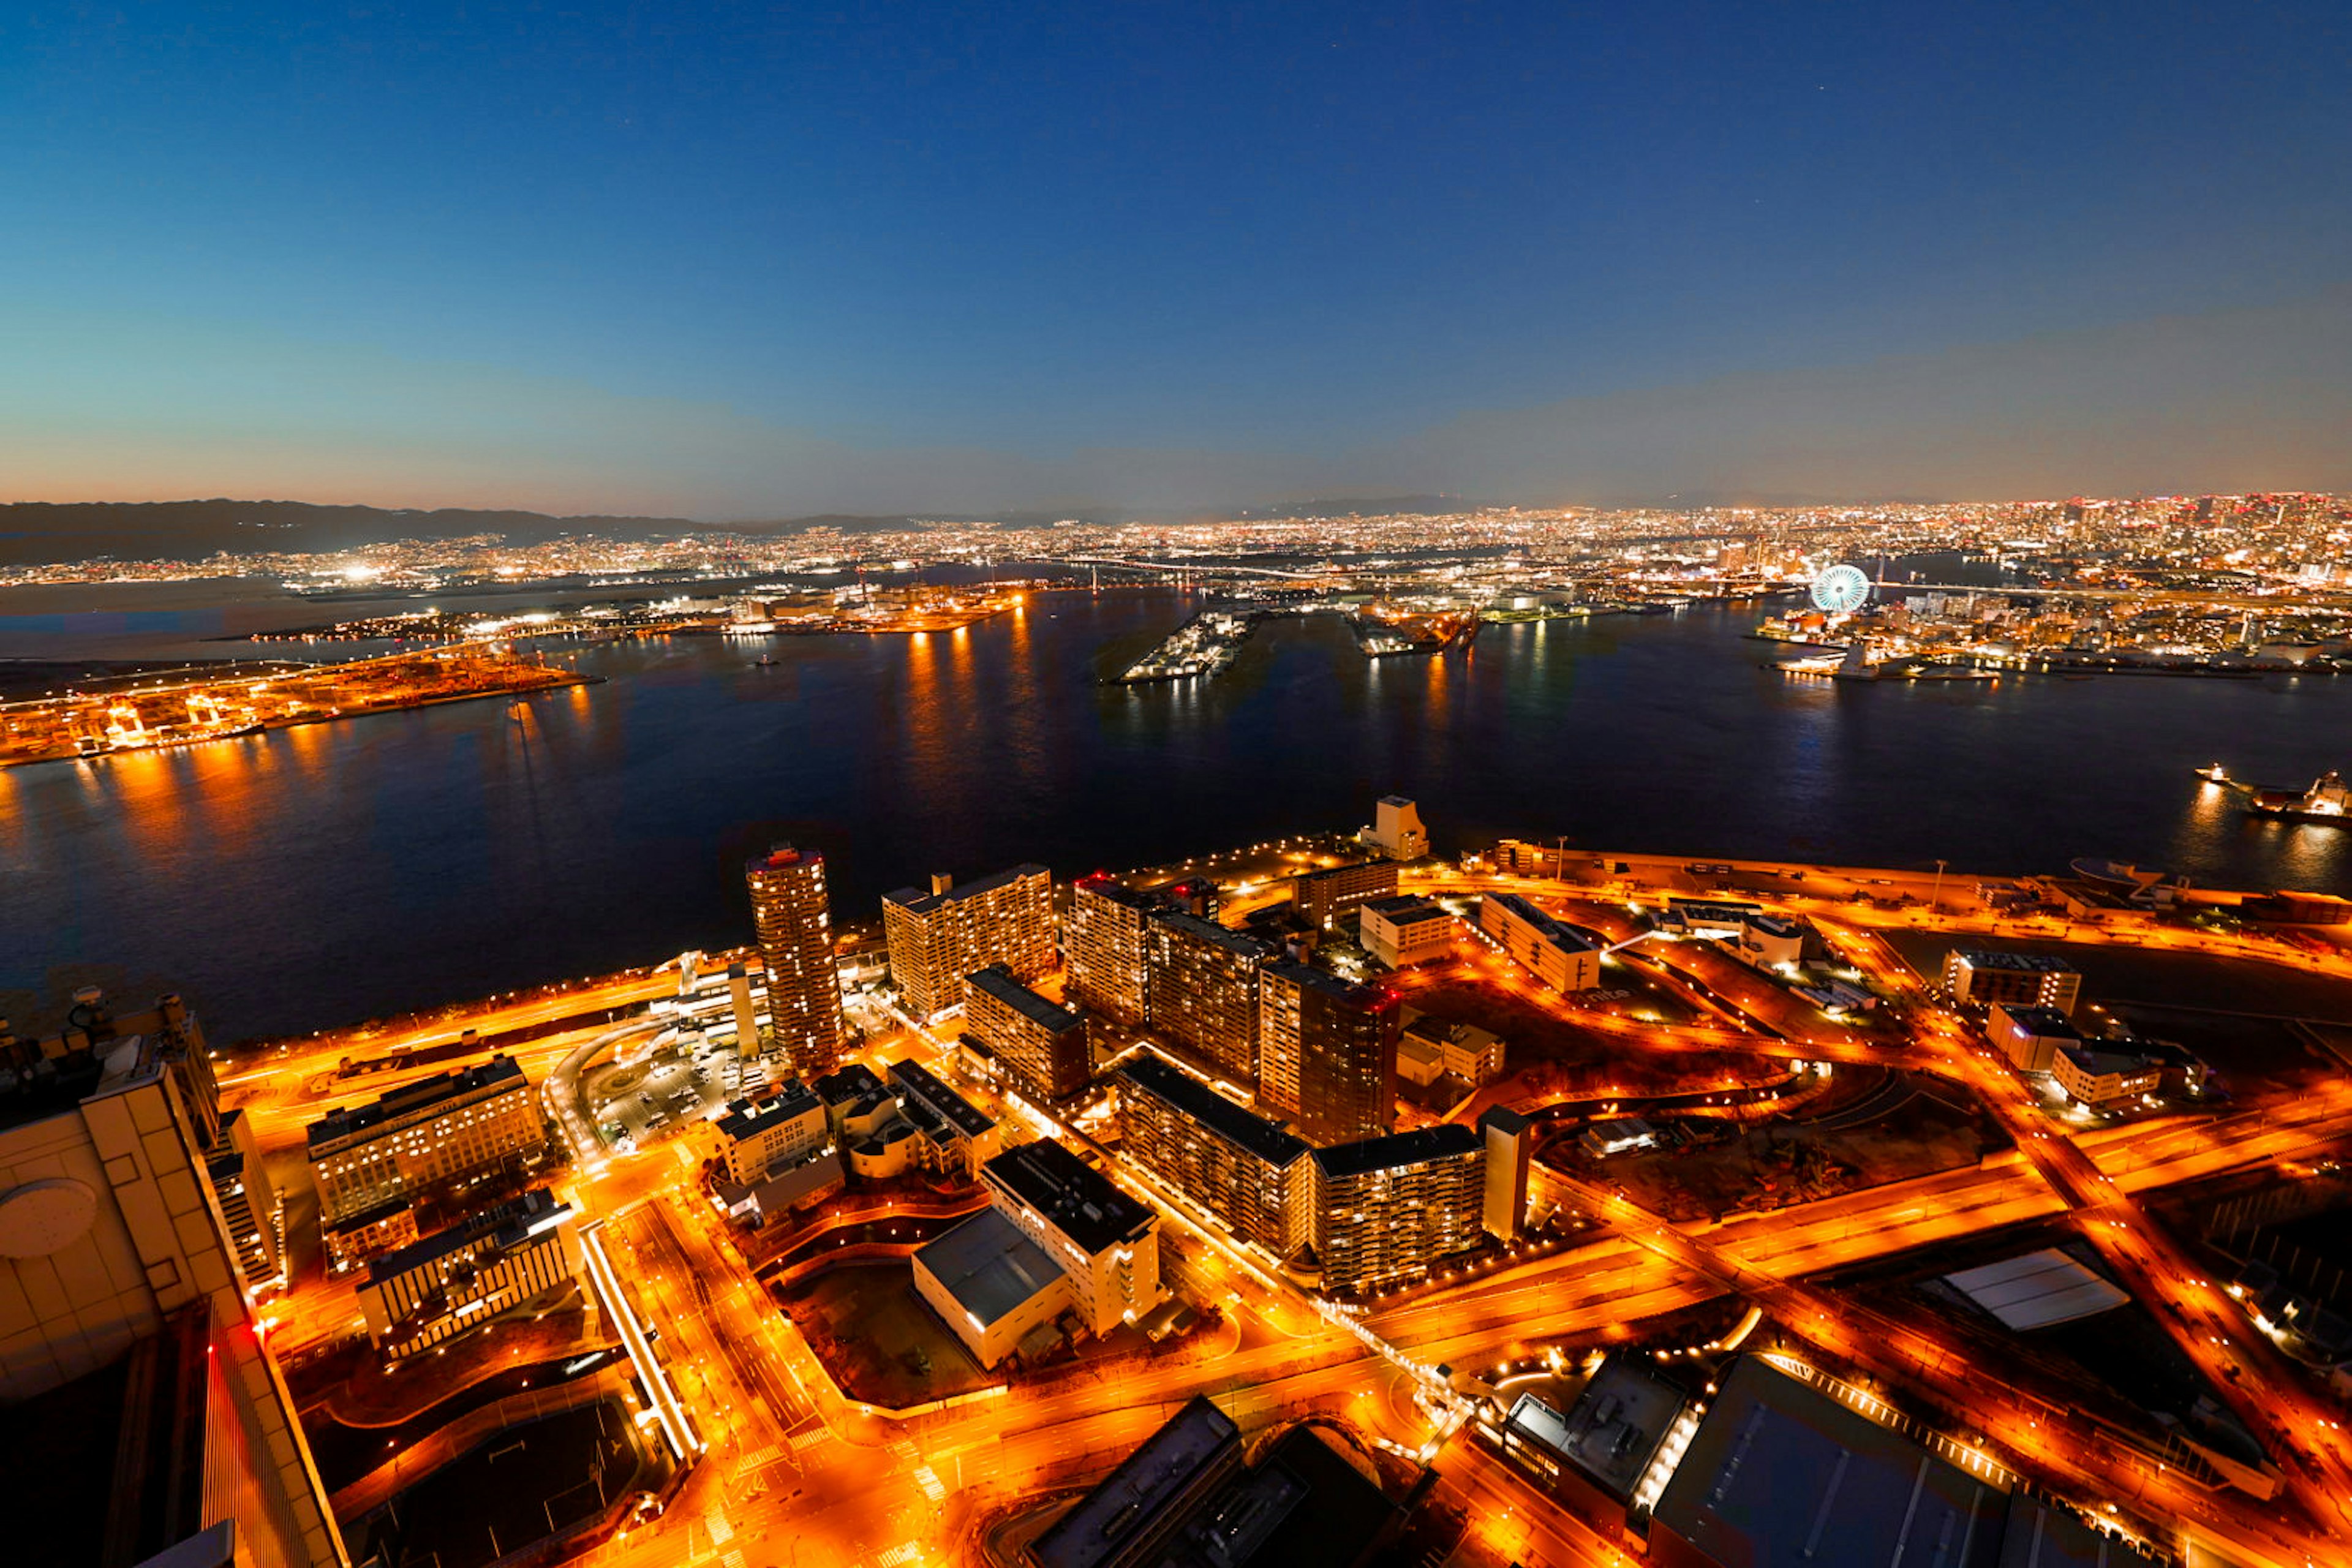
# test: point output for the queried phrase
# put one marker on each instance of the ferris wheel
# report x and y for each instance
(1840, 590)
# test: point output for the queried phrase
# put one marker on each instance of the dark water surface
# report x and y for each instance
(313, 876)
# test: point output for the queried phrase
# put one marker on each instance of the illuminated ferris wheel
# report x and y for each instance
(1840, 590)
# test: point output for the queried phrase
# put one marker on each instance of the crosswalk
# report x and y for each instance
(803, 1441)
(899, 1555)
(928, 1480)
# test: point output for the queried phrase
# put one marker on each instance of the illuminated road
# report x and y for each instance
(796, 1474)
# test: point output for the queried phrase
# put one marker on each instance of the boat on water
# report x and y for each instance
(765, 661)
(95, 746)
(2329, 800)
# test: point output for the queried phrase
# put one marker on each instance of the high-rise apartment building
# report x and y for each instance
(1038, 1044)
(1246, 1171)
(1324, 896)
(1327, 1053)
(1107, 945)
(1204, 990)
(453, 1129)
(794, 917)
(1386, 1209)
(937, 938)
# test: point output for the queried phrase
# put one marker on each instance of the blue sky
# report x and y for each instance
(734, 260)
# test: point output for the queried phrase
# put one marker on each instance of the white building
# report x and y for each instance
(990, 1284)
(1403, 932)
(1561, 956)
(754, 1137)
(1105, 1242)
(1430, 1048)
(1396, 831)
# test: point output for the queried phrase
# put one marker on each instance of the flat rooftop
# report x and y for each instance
(2020, 963)
(989, 1266)
(1779, 1470)
(1616, 1427)
(913, 1077)
(1209, 934)
(919, 902)
(509, 1224)
(1000, 983)
(1549, 927)
(1079, 1200)
(1369, 998)
(2096, 1060)
(1193, 1444)
(499, 1073)
(2044, 1022)
(2037, 1289)
(749, 1119)
(1353, 868)
(1146, 1073)
(1444, 1140)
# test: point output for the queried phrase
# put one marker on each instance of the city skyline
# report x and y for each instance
(739, 267)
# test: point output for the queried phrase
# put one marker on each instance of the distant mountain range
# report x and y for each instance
(36, 531)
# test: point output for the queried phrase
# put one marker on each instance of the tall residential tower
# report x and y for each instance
(795, 921)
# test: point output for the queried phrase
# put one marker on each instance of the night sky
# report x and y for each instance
(736, 260)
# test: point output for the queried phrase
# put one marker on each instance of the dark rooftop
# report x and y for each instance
(923, 903)
(1511, 1124)
(913, 1077)
(1002, 983)
(2025, 963)
(1189, 1448)
(1614, 1429)
(1079, 1200)
(1148, 1074)
(1778, 1469)
(1103, 884)
(500, 1071)
(747, 1119)
(2047, 1021)
(848, 1085)
(1405, 908)
(988, 1265)
(1549, 927)
(1399, 1149)
(1371, 998)
(1209, 934)
(1300, 1506)
(1342, 873)
(508, 1223)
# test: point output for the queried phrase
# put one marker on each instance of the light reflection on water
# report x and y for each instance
(330, 871)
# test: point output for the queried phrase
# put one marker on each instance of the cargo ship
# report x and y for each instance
(2328, 800)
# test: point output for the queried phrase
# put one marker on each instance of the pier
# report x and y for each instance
(219, 703)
